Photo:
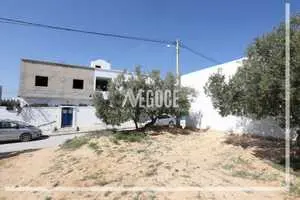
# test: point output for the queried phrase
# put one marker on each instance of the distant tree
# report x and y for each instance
(257, 89)
(10, 104)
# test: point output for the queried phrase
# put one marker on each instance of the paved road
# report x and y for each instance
(44, 142)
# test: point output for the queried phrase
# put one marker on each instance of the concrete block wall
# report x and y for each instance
(60, 83)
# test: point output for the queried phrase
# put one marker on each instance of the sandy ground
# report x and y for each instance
(162, 161)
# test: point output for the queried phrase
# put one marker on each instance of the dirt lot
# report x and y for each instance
(198, 159)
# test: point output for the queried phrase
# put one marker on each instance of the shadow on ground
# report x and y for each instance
(158, 130)
(16, 153)
(152, 130)
(268, 148)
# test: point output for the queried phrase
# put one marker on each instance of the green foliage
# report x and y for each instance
(95, 146)
(129, 136)
(217, 88)
(257, 90)
(135, 82)
(75, 143)
(112, 111)
(295, 188)
(48, 198)
(185, 96)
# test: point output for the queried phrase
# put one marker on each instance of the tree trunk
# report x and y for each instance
(136, 124)
(153, 120)
(298, 138)
(178, 121)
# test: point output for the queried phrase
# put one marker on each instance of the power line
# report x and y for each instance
(27, 23)
(200, 54)
(168, 42)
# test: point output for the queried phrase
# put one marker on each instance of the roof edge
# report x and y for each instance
(55, 63)
(216, 66)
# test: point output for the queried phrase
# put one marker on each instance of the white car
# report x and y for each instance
(165, 120)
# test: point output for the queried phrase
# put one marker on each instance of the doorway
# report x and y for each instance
(66, 117)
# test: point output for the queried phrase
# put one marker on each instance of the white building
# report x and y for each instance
(203, 115)
(103, 74)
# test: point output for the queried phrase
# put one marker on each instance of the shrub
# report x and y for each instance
(75, 143)
(130, 136)
(94, 146)
(10, 104)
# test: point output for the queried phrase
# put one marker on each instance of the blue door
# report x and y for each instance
(66, 117)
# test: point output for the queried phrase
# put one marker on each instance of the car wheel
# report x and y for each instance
(25, 137)
(171, 124)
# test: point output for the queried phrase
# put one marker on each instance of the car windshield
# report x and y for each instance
(163, 117)
(22, 123)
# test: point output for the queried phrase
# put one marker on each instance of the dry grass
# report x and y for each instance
(162, 160)
(271, 149)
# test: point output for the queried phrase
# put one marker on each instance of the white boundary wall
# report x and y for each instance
(203, 115)
(47, 118)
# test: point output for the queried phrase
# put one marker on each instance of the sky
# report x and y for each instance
(219, 29)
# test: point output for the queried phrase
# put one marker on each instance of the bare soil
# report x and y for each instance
(195, 159)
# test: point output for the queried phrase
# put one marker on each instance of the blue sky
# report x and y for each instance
(219, 29)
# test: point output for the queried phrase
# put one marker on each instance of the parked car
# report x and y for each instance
(17, 130)
(165, 120)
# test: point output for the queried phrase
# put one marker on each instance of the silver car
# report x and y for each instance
(16, 130)
(165, 120)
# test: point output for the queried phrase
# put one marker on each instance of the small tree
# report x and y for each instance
(113, 110)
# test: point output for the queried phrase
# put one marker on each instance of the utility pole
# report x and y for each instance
(177, 63)
(0, 93)
(177, 75)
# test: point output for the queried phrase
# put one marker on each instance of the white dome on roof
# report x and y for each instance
(101, 64)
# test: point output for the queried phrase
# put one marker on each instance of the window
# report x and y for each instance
(102, 84)
(13, 125)
(77, 84)
(4, 125)
(163, 117)
(41, 81)
(98, 66)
